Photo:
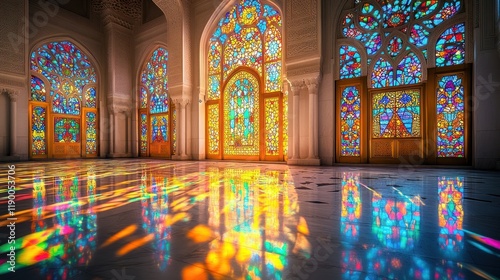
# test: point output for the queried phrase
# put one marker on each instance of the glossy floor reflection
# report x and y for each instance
(154, 219)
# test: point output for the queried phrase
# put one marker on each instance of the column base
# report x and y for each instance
(304, 161)
(118, 155)
(179, 157)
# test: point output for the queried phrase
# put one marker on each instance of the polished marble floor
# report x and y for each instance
(155, 219)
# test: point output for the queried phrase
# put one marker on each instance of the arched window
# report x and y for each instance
(156, 127)
(246, 107)
(63, 102)
(400, 62)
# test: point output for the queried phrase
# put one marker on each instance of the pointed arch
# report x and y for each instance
(240, 37)
(64, 101)
(156, 113)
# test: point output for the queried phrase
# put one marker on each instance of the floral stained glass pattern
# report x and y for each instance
(272, 120)
(63, 60)
(174, 130)
(372, 23)
(450, 47)
(350, 62)
(409, 71)
(38, 92)
(285, 123)
(450, 117)
(273, 76)
(154, 78)
(144, 133)
(241, 117)
(243, 49)
(396, 114)
(38, 130)
(383, 74)
(65, 105)
(68, 73)
(249, 35)
(159, 128)
(213, 129)
(350, 122)
(66, 130)
(143, 98)
(91, 133)
(395, 46)
(91, 98)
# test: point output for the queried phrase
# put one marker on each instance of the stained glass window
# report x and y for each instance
(248, 35)
(143, 98)
(241, 117)
(244, 48)
(409, 71)
(401, 28)
(350, 122)
(66, 130)
(273, 76)
(38, 92)
(395, 46)
(38, 129)
(450, 47)
(155, 108)
(159, 128)
(350, 62)
(69, 73)
(155, 80)
(144, 133)
(450, 117)
(271, 111)
(91, 133)
(213, 129)
(383, 74)
(396, 114)
(285, 123)
(90, 98)
(159, 103)
(174, 129)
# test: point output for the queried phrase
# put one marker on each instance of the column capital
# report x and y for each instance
(182, 101)
(13, 94)
(295, 85)
(312, 84)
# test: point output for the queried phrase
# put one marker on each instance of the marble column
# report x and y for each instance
(111, 130)
(296, 88)
(13, 121)
(312, 86)
(181, 104)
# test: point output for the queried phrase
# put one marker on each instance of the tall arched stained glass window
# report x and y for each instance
(244, 85)
(407, 60)
(63, 97)
(155, 108)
